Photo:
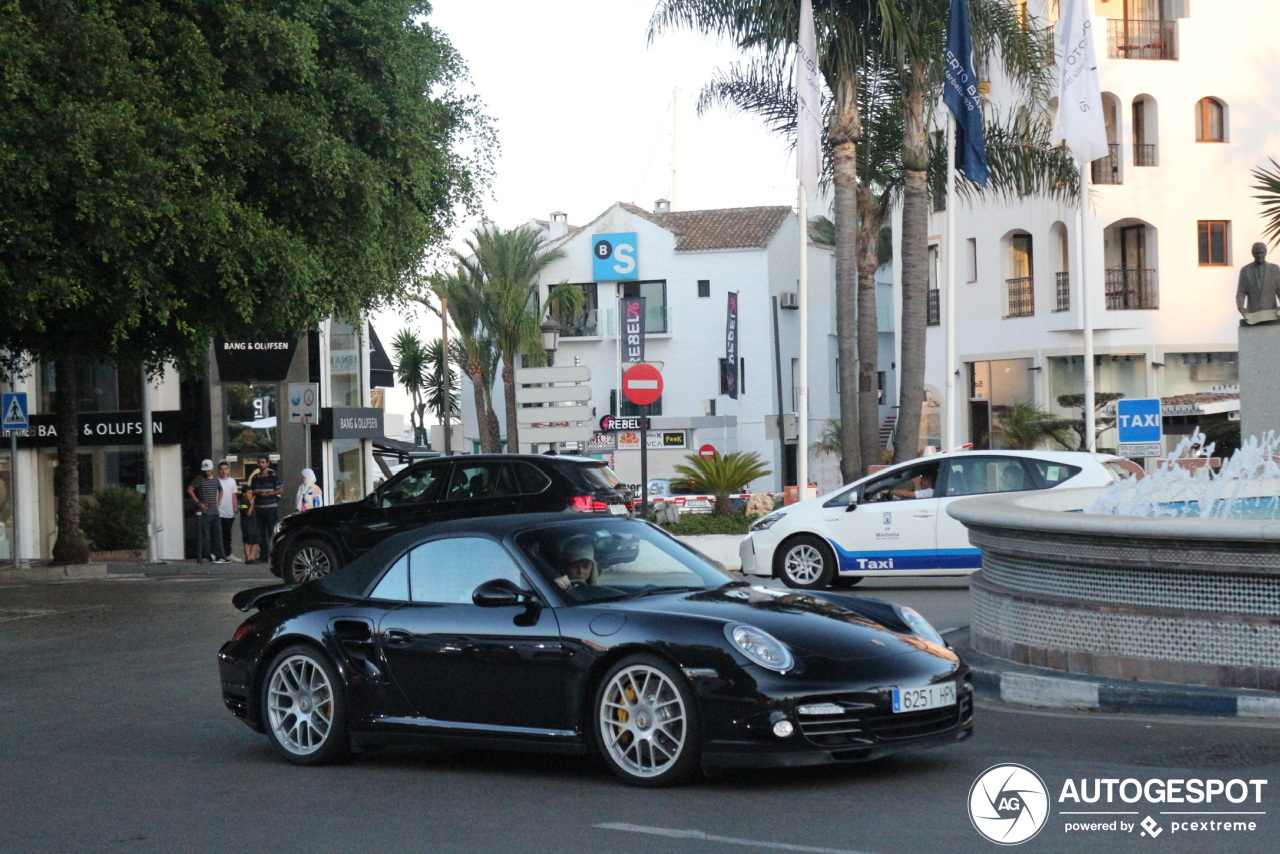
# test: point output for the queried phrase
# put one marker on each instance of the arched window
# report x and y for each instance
(1211, 120)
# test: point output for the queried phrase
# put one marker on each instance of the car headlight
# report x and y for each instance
(920, 625)
(765, 522)
(760, 646)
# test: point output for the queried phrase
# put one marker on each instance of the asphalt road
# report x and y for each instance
(113, 738)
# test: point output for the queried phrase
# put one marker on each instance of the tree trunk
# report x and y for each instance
(70, 546)
(843, 134)
(509, 398)
(483, 421)
(915, 276)
(868, 328)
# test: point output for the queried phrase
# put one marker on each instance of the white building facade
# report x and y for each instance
(685, 264)
(1190, 107)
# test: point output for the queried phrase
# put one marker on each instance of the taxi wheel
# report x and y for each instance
(807, 563)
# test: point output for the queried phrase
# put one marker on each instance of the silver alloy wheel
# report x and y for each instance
(643, 721)
(309, 563)
(300, 705)
(803, 564)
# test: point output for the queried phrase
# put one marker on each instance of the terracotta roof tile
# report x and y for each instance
(721, 228)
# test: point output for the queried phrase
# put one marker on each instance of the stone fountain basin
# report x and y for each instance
(1155, 599)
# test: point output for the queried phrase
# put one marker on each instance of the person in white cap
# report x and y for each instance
(209, 539)
(309, 494)
(578, 561)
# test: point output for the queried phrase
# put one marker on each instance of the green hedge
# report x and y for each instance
(705, 523)
(114, 518)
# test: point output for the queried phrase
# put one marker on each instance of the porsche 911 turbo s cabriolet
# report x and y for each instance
(577, 634)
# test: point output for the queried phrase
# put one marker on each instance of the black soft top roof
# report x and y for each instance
(355, 579)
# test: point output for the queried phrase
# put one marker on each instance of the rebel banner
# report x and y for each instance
(730, 380)
(632, 317)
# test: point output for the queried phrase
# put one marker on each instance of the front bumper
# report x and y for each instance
(865, 728)
(756, 553)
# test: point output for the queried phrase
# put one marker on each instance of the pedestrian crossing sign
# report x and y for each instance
(14, 407)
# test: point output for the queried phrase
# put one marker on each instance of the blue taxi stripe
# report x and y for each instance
(906, 559)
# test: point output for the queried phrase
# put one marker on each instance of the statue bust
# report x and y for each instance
(1258, 293)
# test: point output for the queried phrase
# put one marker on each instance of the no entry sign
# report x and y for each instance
(642, 384)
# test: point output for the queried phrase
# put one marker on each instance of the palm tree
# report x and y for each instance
(441, 394)
(473, 349)
(1269, 195)
(505, 264)
(411, 373)
(768, 30)
(1024, 426)
(721, 475)
(913, 49)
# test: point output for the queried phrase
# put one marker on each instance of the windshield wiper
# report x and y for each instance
(674, 588)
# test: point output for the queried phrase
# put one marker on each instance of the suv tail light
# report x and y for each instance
(587, 504)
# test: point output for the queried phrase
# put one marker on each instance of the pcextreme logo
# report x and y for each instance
(1008, 804)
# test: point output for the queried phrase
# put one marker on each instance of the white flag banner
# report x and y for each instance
(808, 104)
(1080, 121)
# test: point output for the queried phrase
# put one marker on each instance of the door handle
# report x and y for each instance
(397, 637)
(923, 514)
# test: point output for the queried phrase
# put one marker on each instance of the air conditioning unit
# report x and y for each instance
(789, 300)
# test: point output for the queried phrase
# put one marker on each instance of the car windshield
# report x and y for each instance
(591, 562)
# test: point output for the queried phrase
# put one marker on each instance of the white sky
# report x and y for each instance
(582, 105)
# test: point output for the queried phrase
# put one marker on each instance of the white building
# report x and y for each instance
(686, 263)
(1189, 97)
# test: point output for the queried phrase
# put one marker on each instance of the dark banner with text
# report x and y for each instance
(730, 364)
(632, 311)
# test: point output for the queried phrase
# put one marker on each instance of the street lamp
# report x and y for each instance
(550, 330)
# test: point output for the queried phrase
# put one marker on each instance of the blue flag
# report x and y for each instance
(960, 94)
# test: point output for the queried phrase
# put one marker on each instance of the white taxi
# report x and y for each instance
(895, 522)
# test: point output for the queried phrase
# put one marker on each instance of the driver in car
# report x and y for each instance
(925, 490)
(578, 562)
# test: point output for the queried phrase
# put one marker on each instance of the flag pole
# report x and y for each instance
(802, 386)
(1086, 317)
(948, 296)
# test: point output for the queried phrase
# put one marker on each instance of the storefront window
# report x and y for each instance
(102, 388)
(251, 419)
(348, 481)
(344, 366)
(6, 507)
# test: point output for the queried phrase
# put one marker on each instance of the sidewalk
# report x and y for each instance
(1034, 686)
(46, 571)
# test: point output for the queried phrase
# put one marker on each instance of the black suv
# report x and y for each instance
(314, 543)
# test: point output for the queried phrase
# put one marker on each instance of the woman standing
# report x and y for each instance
(309, 494)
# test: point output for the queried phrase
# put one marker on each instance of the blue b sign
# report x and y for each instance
(613, 257)
(1138, 421)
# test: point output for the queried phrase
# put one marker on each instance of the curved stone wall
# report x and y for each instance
(1189, 601)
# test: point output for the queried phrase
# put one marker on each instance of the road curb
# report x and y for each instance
(1038, 688)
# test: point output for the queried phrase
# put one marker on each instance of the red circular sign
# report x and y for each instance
(707, 451)
(642, 384)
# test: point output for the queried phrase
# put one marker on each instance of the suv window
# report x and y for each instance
(529, 479)
(417, 486)
(476, 480)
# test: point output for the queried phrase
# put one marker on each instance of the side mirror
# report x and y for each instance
(851, 506)
(498, 593)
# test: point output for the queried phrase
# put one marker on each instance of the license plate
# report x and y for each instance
(928, 697)
(618, 509)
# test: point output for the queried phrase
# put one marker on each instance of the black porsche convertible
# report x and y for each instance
(568, 634)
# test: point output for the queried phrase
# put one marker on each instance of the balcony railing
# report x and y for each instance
(933, 308)
(1132, 289)
(1106, 170)
(1063, 288)
(1141, 39)
(1144, 154)
(1022, 301)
